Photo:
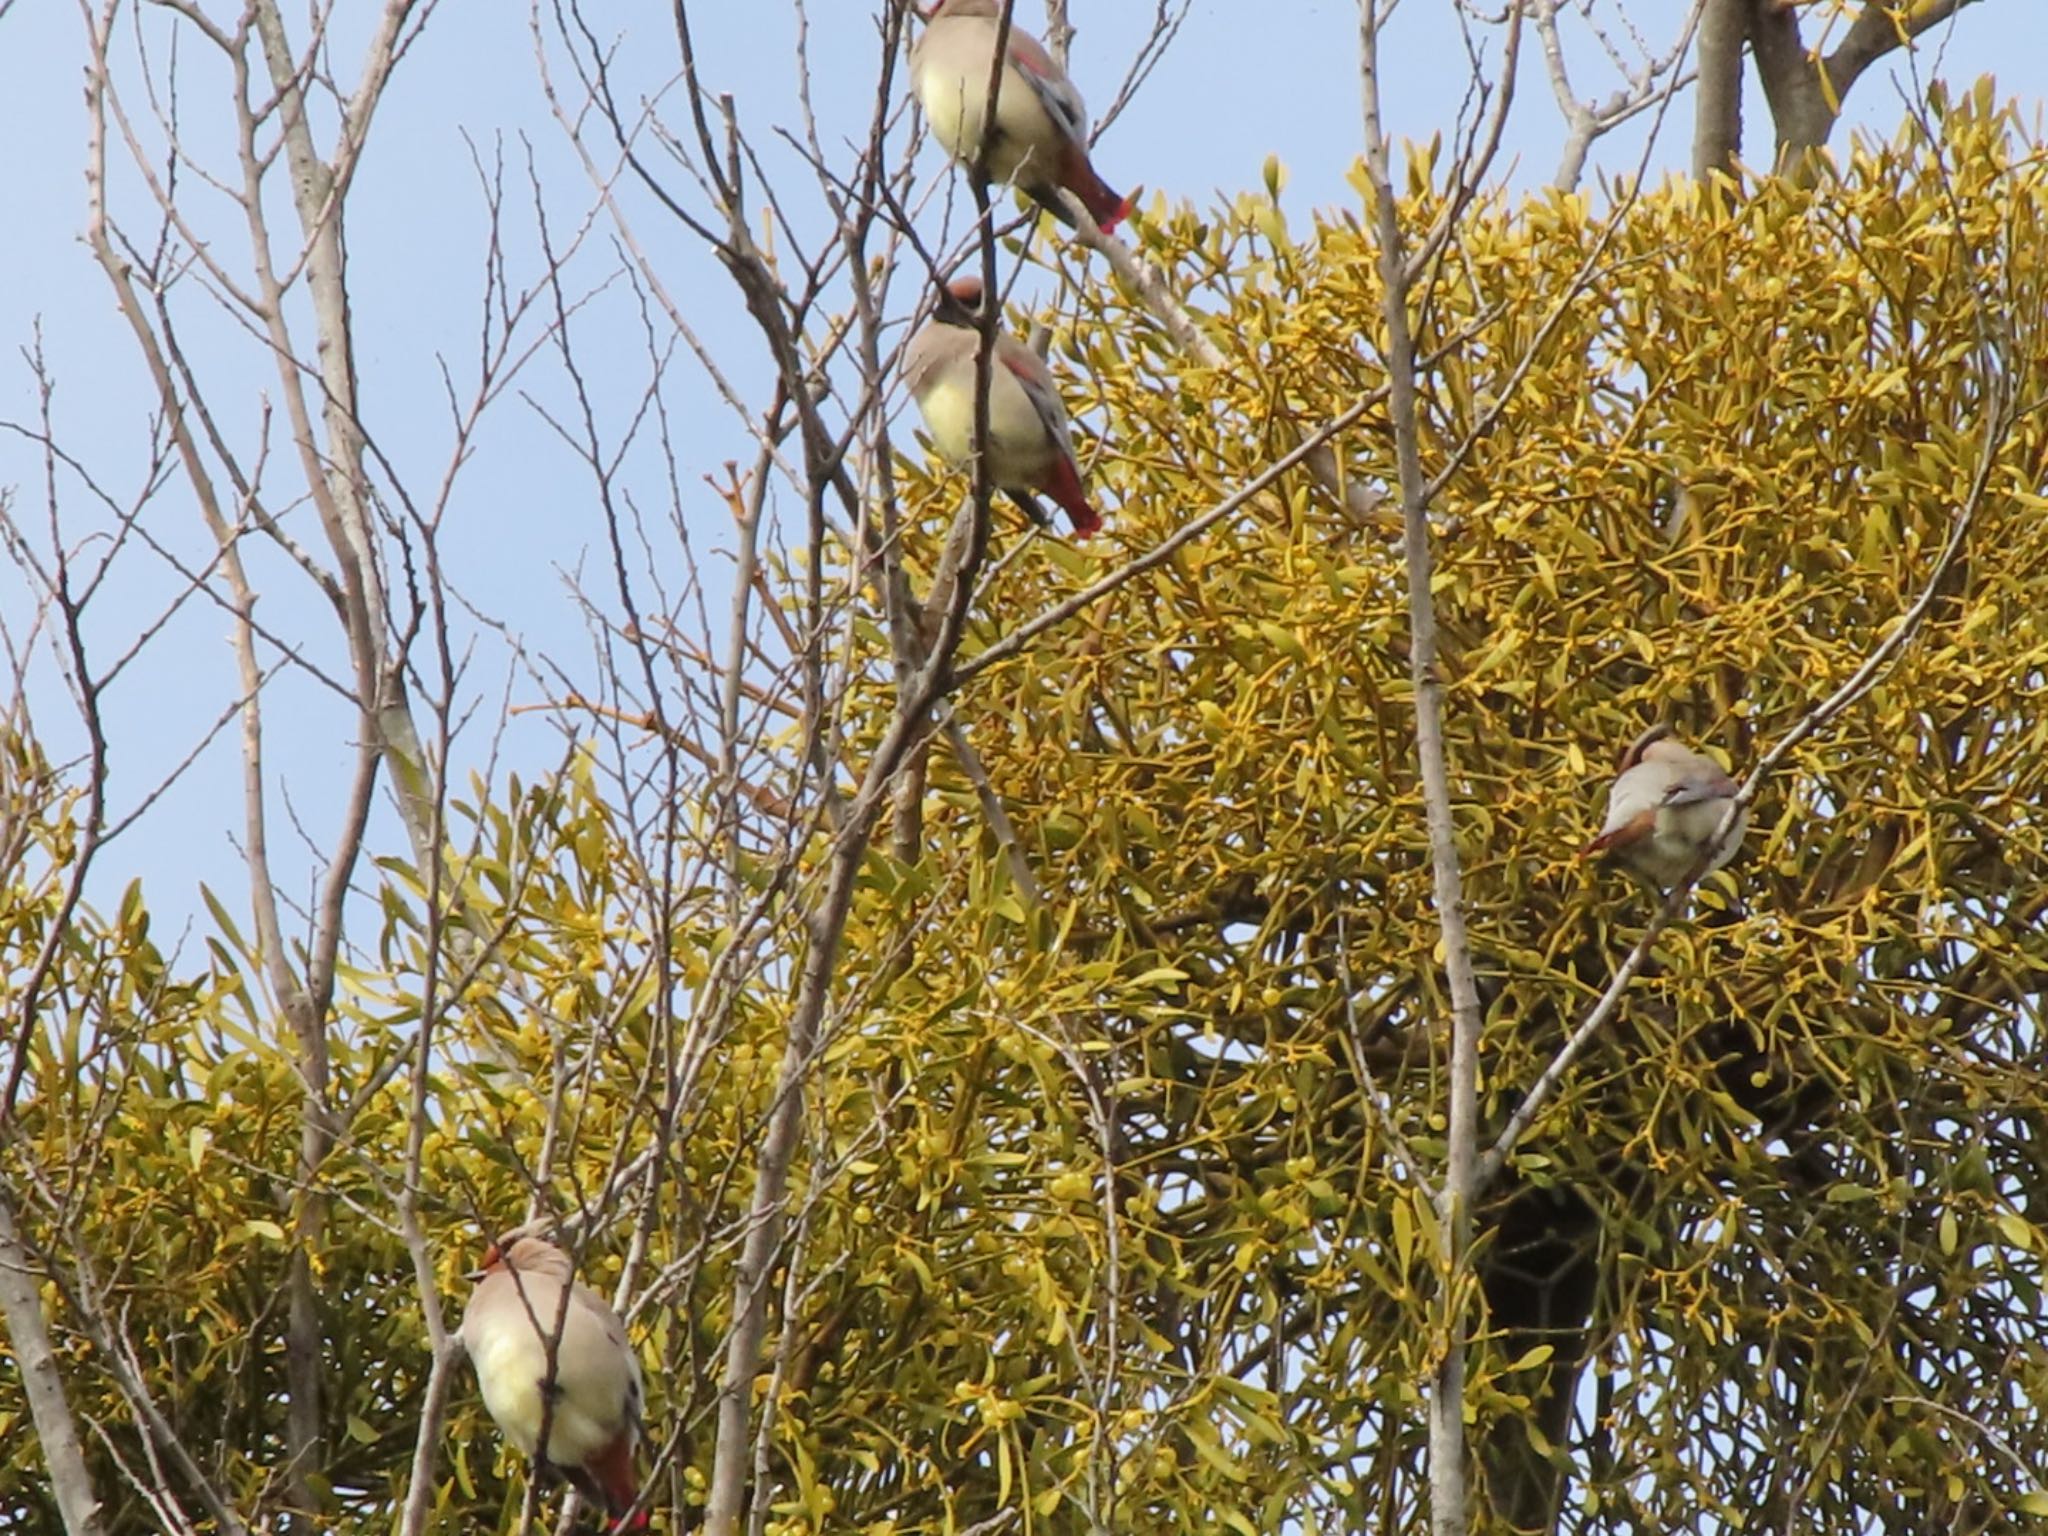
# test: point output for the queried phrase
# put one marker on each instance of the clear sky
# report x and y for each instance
(1245, 79)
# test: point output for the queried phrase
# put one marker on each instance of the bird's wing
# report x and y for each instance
(600, 1312)
(1634, 791)
(1625, 833)
(1055, 92)
(1036, 381)
(1694, 785)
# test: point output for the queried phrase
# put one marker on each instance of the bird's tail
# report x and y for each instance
(1065, 487)
(1105, 206)
(1077, 175)
(607, 1478)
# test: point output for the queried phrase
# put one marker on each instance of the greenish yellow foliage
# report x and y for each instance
(1091, 1206)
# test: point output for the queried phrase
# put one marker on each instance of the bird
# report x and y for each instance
(1030, 447)
(1663, 808)
(1041, 127)
(526, 1306)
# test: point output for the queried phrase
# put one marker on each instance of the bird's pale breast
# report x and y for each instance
(950, 74)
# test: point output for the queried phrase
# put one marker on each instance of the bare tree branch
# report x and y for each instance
(21, 1305)
(1585, 121)
(1448, 1481)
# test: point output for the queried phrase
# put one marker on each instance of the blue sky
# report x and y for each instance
(1226, 97)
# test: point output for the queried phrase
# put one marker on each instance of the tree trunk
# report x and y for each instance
(1802, 113)
(1717, 112)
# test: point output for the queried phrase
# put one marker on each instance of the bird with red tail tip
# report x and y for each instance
(526, 1308)
(1029, 447)
(1040, 143)
(1662, 811)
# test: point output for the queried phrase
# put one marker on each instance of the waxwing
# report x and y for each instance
(1663, 808)
(526, 1300)
(1030, 448)
(1041, 137)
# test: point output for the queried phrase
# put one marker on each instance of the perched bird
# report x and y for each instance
(1041, 129)
(1030, 448)
(1663, 808)
(527, 1305)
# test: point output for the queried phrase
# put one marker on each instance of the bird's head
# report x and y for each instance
(520, 1250)
(959, 302)
(1640, 747)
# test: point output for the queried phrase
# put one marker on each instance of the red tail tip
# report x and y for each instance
(1064, 486)
(1080, 513)
(1104, 206)
(1119, 210)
